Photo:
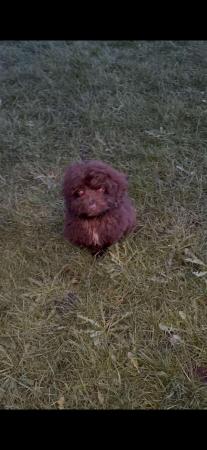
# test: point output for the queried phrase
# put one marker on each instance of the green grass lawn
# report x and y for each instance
(129, 330)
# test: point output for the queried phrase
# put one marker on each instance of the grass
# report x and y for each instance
(128, 331)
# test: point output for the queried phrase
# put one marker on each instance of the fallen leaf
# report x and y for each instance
(133, 360)
(162, 374)
(182, 315)
(165, 328)
(61, 402)
(97, 336)
(175, 339)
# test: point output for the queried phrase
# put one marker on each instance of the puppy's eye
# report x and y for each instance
(79, 193)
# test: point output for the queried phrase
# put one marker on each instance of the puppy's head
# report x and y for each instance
(92, 188)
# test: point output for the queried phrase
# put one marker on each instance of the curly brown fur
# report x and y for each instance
(98, 210)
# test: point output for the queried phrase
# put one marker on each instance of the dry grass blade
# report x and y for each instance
(133, 360)
(101, 398)
(91, 321)
(200, 274)
(190, 257)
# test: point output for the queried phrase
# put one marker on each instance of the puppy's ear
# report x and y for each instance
(72, 174)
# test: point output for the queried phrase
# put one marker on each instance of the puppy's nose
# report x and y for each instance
(92, 204)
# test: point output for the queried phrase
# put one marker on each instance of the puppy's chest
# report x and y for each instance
(92, 229)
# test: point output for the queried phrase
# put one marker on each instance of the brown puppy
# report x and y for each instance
(98, 209)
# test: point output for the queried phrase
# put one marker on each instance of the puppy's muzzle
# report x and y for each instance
(92, 205)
